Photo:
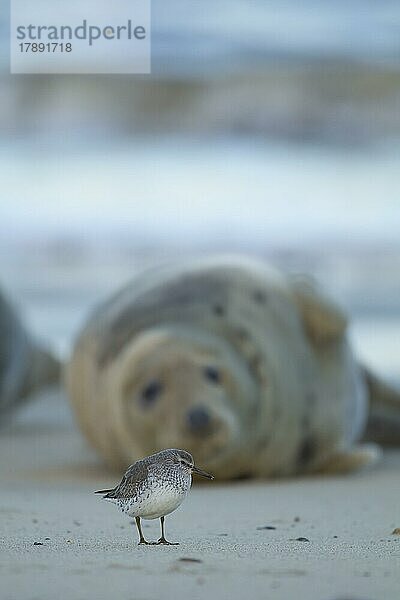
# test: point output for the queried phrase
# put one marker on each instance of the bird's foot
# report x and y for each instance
(165, 542)
(146, 543)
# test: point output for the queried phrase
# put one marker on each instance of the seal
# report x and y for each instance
(25, 366)
(249, 370)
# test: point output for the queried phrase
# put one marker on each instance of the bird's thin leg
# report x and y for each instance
(141, 536)
(162, 539)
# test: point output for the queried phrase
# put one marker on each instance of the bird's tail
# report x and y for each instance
(104, 491)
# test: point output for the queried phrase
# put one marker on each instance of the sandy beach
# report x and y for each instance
(269, 129)
(321, 538)
(237, 540)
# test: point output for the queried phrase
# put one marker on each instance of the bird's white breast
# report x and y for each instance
(156, 502)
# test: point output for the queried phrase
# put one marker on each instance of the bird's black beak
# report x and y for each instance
(202, 473)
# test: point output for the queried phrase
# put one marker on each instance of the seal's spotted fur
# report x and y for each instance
(249, 370)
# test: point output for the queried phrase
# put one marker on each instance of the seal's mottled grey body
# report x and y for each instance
(248, 369)
(24, 365)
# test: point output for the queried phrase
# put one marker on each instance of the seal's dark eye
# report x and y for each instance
(150, 393)
(212, 374)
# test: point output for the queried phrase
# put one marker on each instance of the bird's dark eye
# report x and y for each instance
(150, 393)
(212, 374)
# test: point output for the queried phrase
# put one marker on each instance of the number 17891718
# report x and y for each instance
(42, 47)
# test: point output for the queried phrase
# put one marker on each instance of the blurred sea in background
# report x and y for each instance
(268, 127)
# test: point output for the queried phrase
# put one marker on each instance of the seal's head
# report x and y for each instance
(182, 387)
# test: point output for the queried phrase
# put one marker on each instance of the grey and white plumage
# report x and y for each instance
(154, 487)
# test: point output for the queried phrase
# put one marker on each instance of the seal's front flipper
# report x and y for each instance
(384, 418)
(347, 461)
(323, 320)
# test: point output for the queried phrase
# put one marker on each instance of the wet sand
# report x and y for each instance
(318, 538)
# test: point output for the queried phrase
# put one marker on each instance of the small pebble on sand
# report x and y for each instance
(190, 560)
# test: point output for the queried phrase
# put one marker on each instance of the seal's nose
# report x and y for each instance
(198, 419)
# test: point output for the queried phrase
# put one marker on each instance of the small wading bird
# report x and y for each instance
(154, 487)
